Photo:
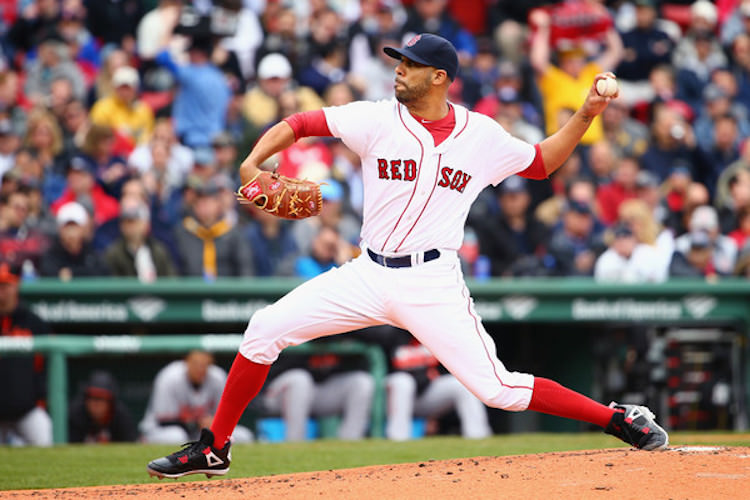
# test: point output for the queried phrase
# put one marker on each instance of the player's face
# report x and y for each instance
(197, 366)
(413, 81)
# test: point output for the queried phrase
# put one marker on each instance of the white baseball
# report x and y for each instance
(606, 87)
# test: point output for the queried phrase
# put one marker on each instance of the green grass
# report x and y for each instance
(90, 465)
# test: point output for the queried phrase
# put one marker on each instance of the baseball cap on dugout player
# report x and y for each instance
(430, 50)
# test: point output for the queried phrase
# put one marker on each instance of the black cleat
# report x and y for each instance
(636, 425)
(196, 457)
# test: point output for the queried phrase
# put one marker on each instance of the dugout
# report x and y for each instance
(576, 331)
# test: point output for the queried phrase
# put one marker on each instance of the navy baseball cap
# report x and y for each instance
(430, 50)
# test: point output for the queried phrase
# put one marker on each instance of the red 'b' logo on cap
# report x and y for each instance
(413, 40)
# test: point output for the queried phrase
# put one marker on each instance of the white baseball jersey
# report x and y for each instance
(175, 399)
(417, 195)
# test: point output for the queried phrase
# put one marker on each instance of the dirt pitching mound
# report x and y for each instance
(699, 472)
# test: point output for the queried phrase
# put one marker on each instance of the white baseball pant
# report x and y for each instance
(430, 300)
(33, 429)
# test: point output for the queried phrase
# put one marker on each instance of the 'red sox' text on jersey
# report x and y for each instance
(418, 195)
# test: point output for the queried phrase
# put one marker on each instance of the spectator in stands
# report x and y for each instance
(35, 22)
(741, 235)
(104, 149)
(324, 30)
(274, 248)
(209, 245)
(664, 82)
(510, 115)
(74, 124)
(347, 169)
(97, 415)
(717, 104)
(563, 84)
(10, 102)
(638, 215)
(122, 110)
(327, 250)
(600, 161)
(373, 73)
(52, 62)
(431, 16)
(646, 46)
(60, 94)
(739, 199)
(673, 143)
(326, 68)
(225, 155)
(261, 103)
(578, 188)
(200, 106)
(280, 25)
(627, 136)
(114, 21)
(23, 419)
(623, 187)
(327, 58)
(184, 398)
(741, 68)
(628, 261)
(514, 239)
(737, 24)
(699, 52)
(704, 220)
(20, 244)
(40, 217)
(721, 196)
(575, 245)
(82, 46)
(176, 159)
(136, 252)
(648, 190)
(113, 59)
(81, 186)
(696, 259)
(723, 151)
(44, 140)
(71, 254)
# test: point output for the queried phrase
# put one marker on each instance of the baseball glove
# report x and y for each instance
(282, 196)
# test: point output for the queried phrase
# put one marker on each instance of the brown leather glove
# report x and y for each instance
(282, 196)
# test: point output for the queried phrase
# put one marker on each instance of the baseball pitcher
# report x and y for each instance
(424, 161)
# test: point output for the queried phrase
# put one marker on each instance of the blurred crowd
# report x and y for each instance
(123, 122)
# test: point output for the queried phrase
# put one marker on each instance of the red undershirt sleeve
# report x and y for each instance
(309, 124)
(537, 169)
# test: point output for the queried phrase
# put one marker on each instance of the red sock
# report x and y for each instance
(552, 398)
(244, 382)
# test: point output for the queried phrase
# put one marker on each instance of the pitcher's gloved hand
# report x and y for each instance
(282, 196)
